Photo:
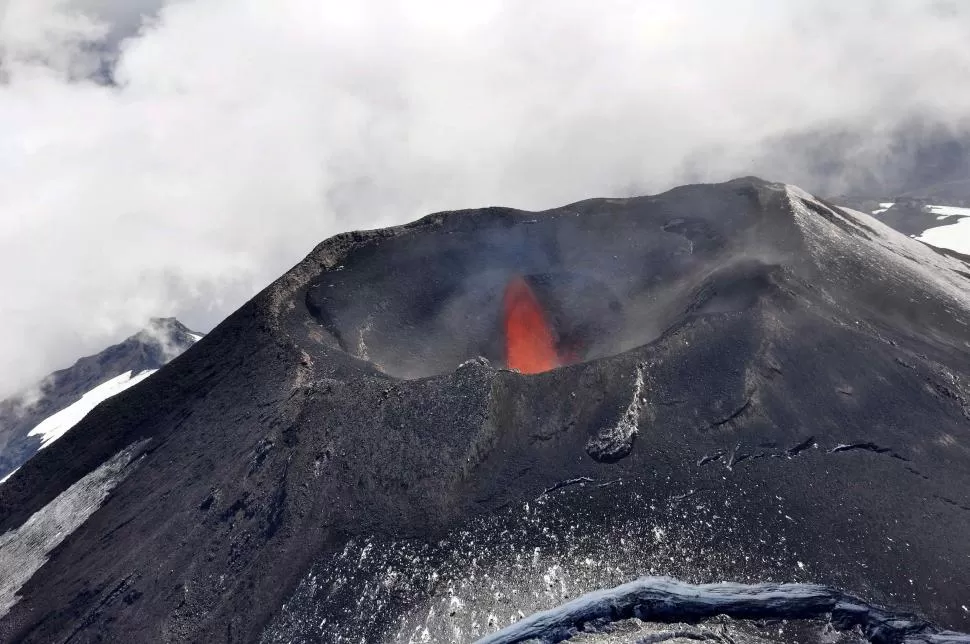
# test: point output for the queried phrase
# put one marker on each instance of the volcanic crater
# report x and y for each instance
(423, 300)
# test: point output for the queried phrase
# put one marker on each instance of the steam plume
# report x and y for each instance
(170, 158)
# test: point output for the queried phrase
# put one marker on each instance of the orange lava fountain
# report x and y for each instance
(529, 344)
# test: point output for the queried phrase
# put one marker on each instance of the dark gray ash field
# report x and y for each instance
(756, 387)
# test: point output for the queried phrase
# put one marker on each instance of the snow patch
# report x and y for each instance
(883, 207)
(24, 550)
(955, 237)
(56, 425)
(949, 211)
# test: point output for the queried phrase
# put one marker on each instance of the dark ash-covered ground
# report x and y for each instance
(766, 389)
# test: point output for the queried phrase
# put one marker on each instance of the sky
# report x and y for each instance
(173, 157)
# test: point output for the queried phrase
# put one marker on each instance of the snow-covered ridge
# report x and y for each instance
(55, 426)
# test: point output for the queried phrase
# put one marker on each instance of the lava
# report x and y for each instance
(529, 343)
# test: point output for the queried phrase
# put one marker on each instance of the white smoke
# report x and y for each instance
(237, 134)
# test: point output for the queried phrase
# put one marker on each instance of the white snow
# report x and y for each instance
(949, 211)
(196, 336)
(24, 550)
(883, 207)
(953, 237)
(56, 425)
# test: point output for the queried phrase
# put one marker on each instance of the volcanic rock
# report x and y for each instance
(765, 389)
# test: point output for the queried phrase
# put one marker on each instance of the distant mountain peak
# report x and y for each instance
(171, 327)
(170, 336)
(59, 401)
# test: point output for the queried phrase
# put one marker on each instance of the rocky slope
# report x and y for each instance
(762, 388)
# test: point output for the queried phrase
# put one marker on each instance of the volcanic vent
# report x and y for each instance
(532, 291)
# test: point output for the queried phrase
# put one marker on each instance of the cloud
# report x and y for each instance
(236, 134)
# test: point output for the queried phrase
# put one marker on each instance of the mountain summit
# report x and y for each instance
(733, 382)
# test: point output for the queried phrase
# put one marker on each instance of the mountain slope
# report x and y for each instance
(943, 223)
(66, 396)
(763, 388)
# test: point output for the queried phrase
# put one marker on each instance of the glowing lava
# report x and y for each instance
(529, 345)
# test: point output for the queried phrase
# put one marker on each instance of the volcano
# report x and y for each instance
(736, 383)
